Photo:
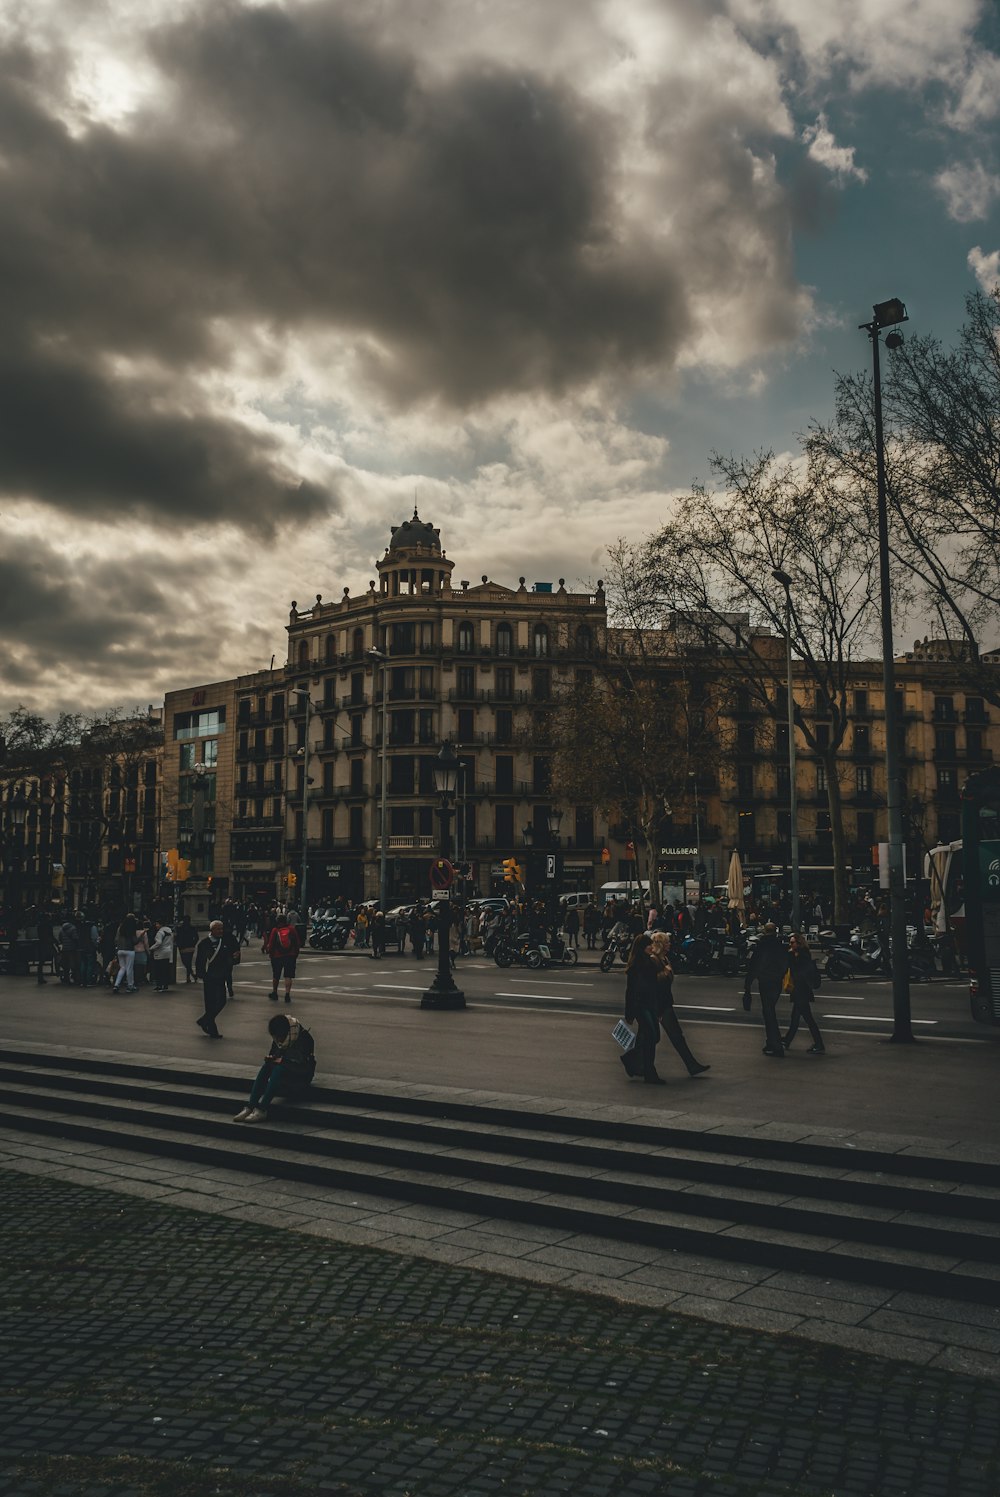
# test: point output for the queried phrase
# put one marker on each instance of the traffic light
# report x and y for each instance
(511, 872)
(170, 862)
(183, 869)
(291, 880)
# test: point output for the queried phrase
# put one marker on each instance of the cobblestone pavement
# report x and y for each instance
(151, 1349)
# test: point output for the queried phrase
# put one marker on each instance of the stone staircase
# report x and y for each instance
(907, 1221)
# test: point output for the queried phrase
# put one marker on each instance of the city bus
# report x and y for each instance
(981, 887)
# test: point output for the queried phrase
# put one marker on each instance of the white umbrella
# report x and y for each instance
(734, 885)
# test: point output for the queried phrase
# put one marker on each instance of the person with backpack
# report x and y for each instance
(288, 1068)
(282, 946)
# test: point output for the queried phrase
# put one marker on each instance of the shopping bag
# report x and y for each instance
(622, 1035)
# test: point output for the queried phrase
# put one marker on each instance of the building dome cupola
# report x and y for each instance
(414, 563)
(415, 533)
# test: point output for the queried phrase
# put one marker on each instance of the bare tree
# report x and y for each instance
(712, 567)
(942, 423)
(631, 739)
(30, 745)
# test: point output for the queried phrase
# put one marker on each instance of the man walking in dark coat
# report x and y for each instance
(213, 966)
(768, 965)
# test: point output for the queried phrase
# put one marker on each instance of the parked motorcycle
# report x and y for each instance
(618, 946)
(854, 959)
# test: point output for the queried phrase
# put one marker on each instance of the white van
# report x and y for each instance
(576, 901)
(637, 891)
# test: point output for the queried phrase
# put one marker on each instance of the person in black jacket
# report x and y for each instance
(768, 965)
(642, 1008)
(214, 958)
(288, 1068)
(805, 981)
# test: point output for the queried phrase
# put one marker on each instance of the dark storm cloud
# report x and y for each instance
(468, 225)
(122, 625)
(297, 173)
(99, 446)
(77, 615)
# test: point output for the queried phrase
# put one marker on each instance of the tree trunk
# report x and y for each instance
(836, 805)
(652, 841)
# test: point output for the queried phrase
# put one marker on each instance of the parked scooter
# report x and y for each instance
(854, 959)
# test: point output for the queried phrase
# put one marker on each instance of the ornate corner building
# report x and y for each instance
(482, 665)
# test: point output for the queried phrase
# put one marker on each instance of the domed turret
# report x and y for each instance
(415, 533)
(414, 563)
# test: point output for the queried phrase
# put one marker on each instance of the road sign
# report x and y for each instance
(442, 874)
(550, 865)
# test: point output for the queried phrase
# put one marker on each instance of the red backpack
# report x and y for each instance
(284, 934)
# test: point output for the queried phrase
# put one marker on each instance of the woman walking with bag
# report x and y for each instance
(805, 979)
(660, 944)
(642, 1008)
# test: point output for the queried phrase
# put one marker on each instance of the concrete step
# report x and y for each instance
(821, 1188)
(530, 1172)
(266, 1149)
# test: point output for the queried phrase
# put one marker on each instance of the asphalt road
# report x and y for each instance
(547, 1035)
(940, 1009)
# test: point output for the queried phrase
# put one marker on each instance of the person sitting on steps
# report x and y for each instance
(288, 1069)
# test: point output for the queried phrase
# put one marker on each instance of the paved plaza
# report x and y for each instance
(157, 1350)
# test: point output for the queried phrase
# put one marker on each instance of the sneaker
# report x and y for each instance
(288, 997)
(273, 997)
(698, 1070)
(243, 1114)
(816, 1050)
(256, 1115)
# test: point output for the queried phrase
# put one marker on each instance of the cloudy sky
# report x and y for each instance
(269, 271)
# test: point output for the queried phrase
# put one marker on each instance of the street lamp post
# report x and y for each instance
(443, 991)
(693, 777)
(890, 314)
(553, 821)
(305, 696)
(17, 805)
(198, 789)
(793, 789)
(375, 656)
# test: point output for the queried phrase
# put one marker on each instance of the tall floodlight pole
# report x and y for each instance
(889, 314)
(305, 696)
(793, 789)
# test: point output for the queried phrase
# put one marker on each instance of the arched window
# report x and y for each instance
(357, 644)
(584, 640)
(505, 639)
(466, 638)
(540, 640)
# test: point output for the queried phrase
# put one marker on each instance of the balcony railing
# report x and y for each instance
(405, 844)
